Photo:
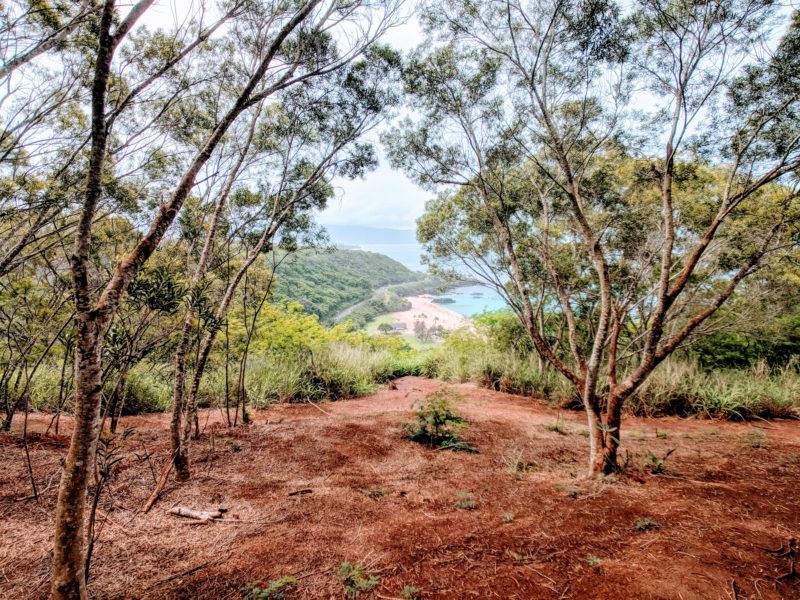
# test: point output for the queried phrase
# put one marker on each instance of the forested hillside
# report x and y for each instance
(326, 283)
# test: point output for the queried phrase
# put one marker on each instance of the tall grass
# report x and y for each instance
(677, 387)
(681, 387)
(467, 357)
(335, 371)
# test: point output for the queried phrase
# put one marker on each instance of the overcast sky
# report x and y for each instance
(385, 197)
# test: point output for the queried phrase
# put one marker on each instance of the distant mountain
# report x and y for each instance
(355, 235)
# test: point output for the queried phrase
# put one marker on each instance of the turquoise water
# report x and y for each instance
(471, 300)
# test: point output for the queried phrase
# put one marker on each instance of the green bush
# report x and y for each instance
(146, 391)
(437, 422)
(44, 387)
(466, 356)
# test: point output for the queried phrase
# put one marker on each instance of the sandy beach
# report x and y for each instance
(424, 309)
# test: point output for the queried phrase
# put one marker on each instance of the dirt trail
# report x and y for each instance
(728, 494)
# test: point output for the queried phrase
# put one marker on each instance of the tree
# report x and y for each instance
(310, 136)
(555, 181)
(385, 328)
(94, 313)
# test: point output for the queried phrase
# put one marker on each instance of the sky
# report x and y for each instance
(384, 197)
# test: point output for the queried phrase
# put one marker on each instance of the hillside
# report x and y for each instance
(326, 283)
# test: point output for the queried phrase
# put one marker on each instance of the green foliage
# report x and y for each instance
(410, 592)
(646, 523)
(571, 490)
(515, 464)
(754, 439)
(437, 422)
(593, 561)
(146, 391)
(356, 579)
(683, 388)
(381, 304)
(275, 590)
(658, 464)
(465, 501)
(294, 358)
(480, 358)
(489, 358)
(558, 427)
(326, 283)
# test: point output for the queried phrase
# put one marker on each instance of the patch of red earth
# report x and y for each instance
(728, 496)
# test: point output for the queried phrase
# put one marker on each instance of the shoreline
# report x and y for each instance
(431, 313)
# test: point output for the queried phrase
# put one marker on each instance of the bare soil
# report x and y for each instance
(724, 509)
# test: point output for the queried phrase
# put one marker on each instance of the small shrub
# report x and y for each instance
(514, 463)
(593, 561)
(356, 579)
(571, 490)
(508, 517)
(438, 424)
(409, 592)
(657, 464)
(376, 493)
(276, 589)
(646, 523)
(466, 501)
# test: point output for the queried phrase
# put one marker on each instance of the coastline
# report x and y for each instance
(432, 314)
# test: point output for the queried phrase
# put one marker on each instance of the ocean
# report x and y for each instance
(470, 300)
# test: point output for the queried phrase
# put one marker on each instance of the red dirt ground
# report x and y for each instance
(729, 495)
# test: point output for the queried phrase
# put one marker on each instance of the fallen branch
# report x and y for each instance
(162, 481)
(198, 515)
(300, 492)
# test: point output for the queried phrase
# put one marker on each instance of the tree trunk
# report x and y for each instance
(181, 457)
(68, 579)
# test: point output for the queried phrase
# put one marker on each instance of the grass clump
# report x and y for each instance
(658, 464)
(681, 387)
(508, 517)
(647, 523)
(558, 427)
(571, 490)
(515, 464)
(356, 579)
(593, 561)
(376, 493)
(410, 592)
(438, 424)
(466, 501)
(754, 439)
(275, 590)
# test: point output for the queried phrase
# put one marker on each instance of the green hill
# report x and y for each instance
(326, 283)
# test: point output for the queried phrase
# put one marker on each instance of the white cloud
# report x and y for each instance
(384, 198)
